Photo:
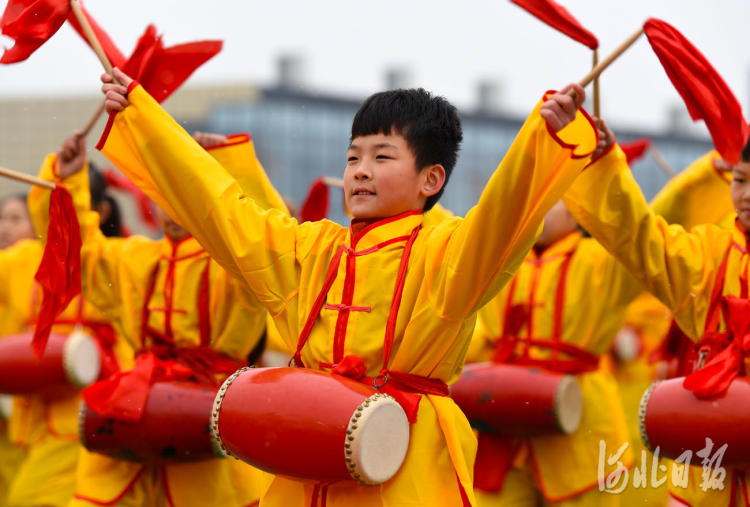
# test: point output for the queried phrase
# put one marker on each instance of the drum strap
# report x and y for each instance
(728, 350)
(406, 388)
(516, 316)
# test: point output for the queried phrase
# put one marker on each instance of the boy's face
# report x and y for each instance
(741, 193)
(15, 223)
(381, 179)
(172, 230)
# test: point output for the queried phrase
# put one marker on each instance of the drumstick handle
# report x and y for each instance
(25, 178)
(92, 121)
(93, 40)
(599, 68)
(333, 182)
(662, 162)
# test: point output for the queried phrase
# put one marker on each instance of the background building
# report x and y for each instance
(301, 135)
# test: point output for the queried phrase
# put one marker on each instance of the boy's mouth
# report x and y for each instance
(362, 192)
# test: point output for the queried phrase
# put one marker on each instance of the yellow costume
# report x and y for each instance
(682, 201)
(47, 428)
(453, 270)
(680, 268)
(155, 293)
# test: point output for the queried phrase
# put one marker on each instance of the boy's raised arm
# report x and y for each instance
(487, 247)
(158, 155)
(678, 267)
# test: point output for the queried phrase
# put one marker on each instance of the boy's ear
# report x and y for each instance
(434, 179)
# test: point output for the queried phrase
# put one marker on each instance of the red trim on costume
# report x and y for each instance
(464, 497)
(356, 238)
(204, 305)
(571, 147)
(118, 497)
(683, 502)
(111, 120)
(566, 497)
(167, 493)
(107, 129)
(600, 156)
(232, 140)
(347, 308)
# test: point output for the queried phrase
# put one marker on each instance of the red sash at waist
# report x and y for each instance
(406, 388)
(581, 361)
(123, 396)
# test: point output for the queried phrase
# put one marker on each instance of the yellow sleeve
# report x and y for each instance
(38, 199)
(677, 267)
(486, 248)
(698, 195)
(238, 157)
(146, 144)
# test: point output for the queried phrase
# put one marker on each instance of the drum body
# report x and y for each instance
(174, 427)
(518, 400)
(310, 425)
(673, 419)
(69, 363)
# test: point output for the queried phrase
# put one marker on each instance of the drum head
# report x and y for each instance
(81, 359)
(568, 404)
(627, 344)
(6, 406)
(377, 440)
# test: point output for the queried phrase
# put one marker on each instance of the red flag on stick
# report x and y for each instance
(59, 273)
(30, 23)
(316, 203)
(634, 150)
(558, 17)
(115, 56)
(705, 93)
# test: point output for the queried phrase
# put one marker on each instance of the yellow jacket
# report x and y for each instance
(117, 277)
(595, 298)
(453, 270)
(679, 267)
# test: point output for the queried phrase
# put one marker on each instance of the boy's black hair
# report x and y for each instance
(112, 227)
(745, 156)
(430, 124)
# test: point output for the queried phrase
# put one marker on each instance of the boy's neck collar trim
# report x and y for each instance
(357, 232)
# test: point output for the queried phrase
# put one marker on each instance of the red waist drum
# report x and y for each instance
(310, 425)
(174, 427)
(673, 419)
(518, 400)
(70, 363)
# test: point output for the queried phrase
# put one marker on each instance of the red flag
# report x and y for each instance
(558, 17)
(705, 93)
(145, 205)
(634, 150)
(114, 55)
(158, 69)
(316, 203)
(59, 273)
(30, 23)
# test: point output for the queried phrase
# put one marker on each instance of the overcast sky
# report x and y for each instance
(448, 45)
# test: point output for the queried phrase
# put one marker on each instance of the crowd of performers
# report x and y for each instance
(507, 358)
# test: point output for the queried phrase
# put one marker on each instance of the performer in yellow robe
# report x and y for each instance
(15, 226)
(448, 272)
(169, 294)
(47, 429)
(682, 269)
(682, 201)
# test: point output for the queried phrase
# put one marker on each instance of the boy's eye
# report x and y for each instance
(383, 157)
(739, 180)
(351, 159)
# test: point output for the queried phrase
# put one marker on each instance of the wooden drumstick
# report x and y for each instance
(599, 68)
(333, 182)
(92, 121)
(665, 166)
(25, 178)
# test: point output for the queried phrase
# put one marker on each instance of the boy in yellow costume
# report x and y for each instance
(177, 308)
(562, 312)
(693, 273)
(46, 428)
(426, 282)
(682, 201)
